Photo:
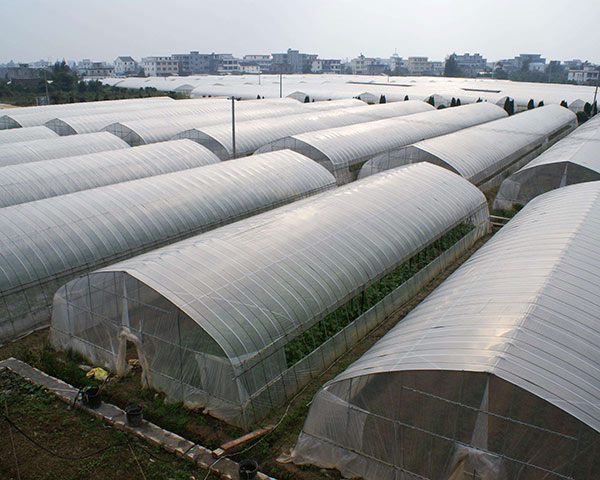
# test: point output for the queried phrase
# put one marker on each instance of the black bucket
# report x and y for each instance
(248, 469)
(135, 415)
(91, 397)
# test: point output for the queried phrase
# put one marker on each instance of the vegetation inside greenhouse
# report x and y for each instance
(310, 339)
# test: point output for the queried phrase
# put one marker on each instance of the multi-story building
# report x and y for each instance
(418, 65)
(436, 68)
(250, 67)
(321, 65)
(227, 63)
(587, 73)
(263, 61)
(160, 66)
(21, 71)
(397, 63)
(125, 65)
(292, 62)
(96, 70)
(362, 65)
(195, 63)
(471, 65)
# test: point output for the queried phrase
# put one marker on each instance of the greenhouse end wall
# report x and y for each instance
(446, 425)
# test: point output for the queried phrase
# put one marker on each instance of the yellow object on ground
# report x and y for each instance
(98, 374)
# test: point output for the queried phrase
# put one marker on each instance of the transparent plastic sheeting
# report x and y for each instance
(251, 135)
(211, 315)
(481, 152)
(173, 111)
(46, 243)
(159, 129)
(25, 134)
(344, 150)
(51, 148)
(34, 116)
(50, 178)
(575, 159)
(501, 358)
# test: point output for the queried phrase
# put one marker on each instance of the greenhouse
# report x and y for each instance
(251, 135)
(484, 153)
(35, 116)
(46, 243)
(50, 178)
(152, 130)
(495, 375)
(25, 134)
(575, 159)
(172, 111)
(58, 147)
(238, 319)
(343, 150)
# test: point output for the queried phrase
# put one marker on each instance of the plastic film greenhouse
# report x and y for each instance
(46, 243)
(159, 129)
(482, 153)
(251, 135)
(50, 178)
(34, 116)
(236, 320)
(575, 159)
(495, 375)
(25, 134)
(48, 149)
(344, 150)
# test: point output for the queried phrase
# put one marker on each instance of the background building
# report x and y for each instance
(160, 66)
(125, 65)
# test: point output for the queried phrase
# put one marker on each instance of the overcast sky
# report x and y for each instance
(101, 30)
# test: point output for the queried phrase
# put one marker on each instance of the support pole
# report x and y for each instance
(281, 80)
(233, 125)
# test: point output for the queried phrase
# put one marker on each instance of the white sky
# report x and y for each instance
(102, 30)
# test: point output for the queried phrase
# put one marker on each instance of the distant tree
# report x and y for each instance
(382, 99)
(530, 104)
(451, 68)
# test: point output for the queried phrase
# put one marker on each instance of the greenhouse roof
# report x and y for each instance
(533, 322)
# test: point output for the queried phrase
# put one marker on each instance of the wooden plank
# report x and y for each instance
(223, 449)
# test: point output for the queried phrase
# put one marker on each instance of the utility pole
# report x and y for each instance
(233, 125)
(280, 80)
(46, 85)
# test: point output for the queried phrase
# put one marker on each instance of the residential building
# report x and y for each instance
(195, 63)
(292, 62)
(125, 65)
(21, 71)
(436, 68)
(96, 70)
(250, 67)
(471, 65)
(160, 66)
(587, 73)
(321, 65)
(263, 61)
(227, 64)
(418, 65)
(362, 65)
(397, 63)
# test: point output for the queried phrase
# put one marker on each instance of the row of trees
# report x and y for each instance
(62, 85)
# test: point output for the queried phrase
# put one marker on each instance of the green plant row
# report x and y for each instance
(309, 340)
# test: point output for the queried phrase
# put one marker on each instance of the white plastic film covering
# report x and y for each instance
(45, 243)
(575, 159)
(58, 147)
(501, 360)
(344, 150)
(251, 287)
(202, 110)
(159, 129)
(25, 134)
(34, 116)
(251, 135)
(50, 178)
(481, 152)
